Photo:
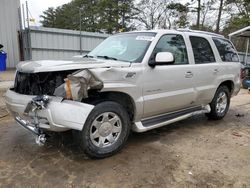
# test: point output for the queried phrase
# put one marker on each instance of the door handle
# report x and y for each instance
(189, 74)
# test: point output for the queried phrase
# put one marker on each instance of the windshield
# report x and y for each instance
(130, 47)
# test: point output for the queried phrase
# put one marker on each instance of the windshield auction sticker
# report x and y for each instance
(147, 38)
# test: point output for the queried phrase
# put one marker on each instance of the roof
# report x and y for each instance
(245, 32)
(182, 30)
(200, 32)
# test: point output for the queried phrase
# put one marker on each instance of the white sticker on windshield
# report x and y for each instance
(147, 38)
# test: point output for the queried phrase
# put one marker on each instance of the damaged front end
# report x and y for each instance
(52, 100)
(37, 103)
(73, 85)
(78, 84)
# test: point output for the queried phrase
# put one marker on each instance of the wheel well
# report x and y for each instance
(229, 84)
(123, 99)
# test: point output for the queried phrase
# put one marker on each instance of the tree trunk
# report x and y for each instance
(198, 14)
(219, 17)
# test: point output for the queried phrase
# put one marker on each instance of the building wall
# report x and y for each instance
(9, 26)
(52, 43)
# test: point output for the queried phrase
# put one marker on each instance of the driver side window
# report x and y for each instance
(174, 44)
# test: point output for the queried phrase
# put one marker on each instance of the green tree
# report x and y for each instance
(179, 12)
(240, 15)
(95, 15)
(49, 17)
(198, 10)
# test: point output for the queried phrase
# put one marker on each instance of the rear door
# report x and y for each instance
(229, 61)
(206, 69)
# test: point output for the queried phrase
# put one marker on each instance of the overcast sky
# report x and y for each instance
(36, 7)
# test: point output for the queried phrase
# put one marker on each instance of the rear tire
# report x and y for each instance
(220, 103)
(106, 130)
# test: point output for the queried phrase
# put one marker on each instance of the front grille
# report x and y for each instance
(39, 83)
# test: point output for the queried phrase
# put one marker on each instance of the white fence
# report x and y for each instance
(41, 43)
(242, 56)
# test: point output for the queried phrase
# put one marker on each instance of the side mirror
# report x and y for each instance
(164, 58)
(1, 46)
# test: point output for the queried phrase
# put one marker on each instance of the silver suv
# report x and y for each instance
(135, 80)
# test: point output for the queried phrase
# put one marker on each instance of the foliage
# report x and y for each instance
(96, 15)
(179, 12)
(49, 17)
(110, 16)
(241, 18)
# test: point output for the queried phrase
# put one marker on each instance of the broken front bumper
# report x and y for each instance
(59, 115)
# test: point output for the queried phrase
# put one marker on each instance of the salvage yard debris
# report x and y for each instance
(239, 115)
(236, 134)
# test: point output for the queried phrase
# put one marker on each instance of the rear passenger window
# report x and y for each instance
(202, 50)
(226, 50)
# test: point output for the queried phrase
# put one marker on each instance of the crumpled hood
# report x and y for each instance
(60, 65)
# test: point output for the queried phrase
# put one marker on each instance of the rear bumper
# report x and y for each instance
(237, 87)
(59, 115)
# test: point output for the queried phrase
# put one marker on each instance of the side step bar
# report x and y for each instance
(156, 122)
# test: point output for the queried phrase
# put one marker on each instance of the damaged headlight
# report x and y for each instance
(37, 103)
(76, 85)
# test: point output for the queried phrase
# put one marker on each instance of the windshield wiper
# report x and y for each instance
(88, 56)
(106, 57)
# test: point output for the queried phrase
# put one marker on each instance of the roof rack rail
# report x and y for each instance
(202, 32)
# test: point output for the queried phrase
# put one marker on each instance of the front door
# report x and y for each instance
(168, 88)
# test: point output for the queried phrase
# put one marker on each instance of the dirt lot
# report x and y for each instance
(192, 153)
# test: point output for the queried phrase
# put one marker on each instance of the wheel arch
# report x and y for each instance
(229, 84)
(121, 98)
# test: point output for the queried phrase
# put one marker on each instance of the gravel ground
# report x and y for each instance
(191, 153)
(3, 110)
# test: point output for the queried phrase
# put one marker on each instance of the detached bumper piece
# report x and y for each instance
(40, 138)
(36, 104)
(27, 125)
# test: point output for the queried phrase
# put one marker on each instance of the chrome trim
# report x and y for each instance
(28, 126)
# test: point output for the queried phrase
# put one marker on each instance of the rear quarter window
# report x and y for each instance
(226, 50)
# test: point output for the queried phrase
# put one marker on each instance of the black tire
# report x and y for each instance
(244, 84)
(89, 146)
(214, 114)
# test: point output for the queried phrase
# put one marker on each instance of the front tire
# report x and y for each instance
(220, 103)
(106, 130)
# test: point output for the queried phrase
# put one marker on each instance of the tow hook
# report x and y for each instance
(37, 103)
(41, 139)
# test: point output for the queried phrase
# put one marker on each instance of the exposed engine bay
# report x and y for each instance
(43, 83)
(69, 84)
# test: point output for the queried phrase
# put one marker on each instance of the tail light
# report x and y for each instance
(241, 73)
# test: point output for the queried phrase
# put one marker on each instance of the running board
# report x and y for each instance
(156, 122)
